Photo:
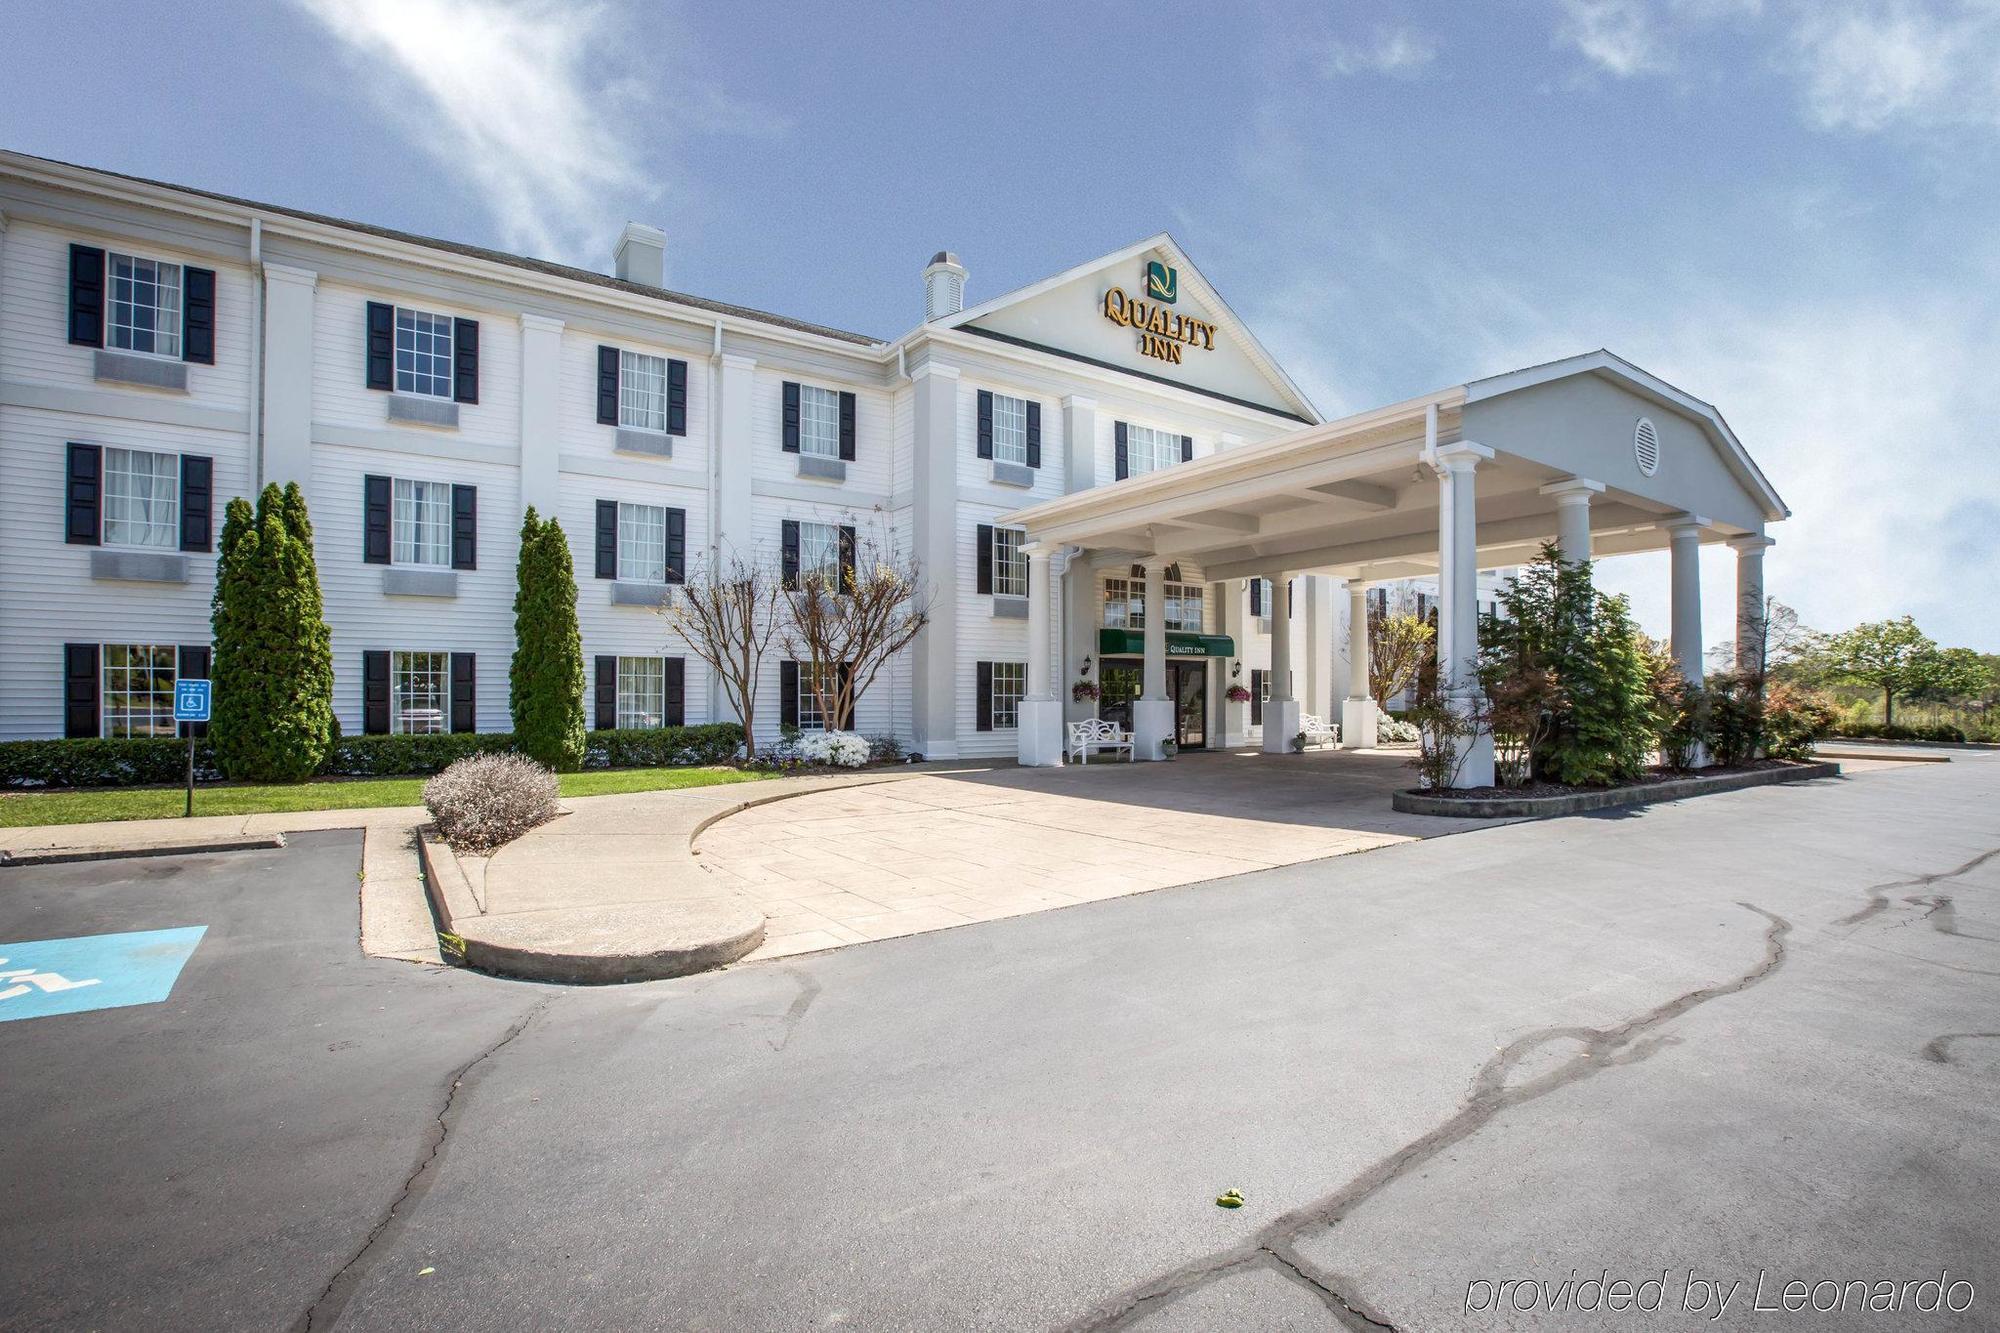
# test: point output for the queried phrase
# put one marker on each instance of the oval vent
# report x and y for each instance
(1646, 446)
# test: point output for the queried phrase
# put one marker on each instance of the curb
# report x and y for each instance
(1575, 803)
(56, 856)
(1878, 756)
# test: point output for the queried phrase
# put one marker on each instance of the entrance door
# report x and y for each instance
(1118, 686)
(1187, 684)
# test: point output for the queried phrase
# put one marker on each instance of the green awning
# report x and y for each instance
(1132, 643)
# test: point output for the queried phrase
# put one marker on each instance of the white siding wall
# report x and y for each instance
(342, 398)
(580, 433)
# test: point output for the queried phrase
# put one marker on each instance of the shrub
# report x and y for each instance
(1441, 734)
(1395, 728)
(89, 762)
(836, 749)
(396, 756)
(545, 684)
(490, 799)
(663, 747)
(884, 750)
(1794, 719)
(1683, 710)
(1735, 718)
(1897, 731)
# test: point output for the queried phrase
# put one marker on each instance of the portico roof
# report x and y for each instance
(1356, 499)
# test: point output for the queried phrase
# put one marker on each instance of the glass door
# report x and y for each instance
(1188, 683)
(1118, 685)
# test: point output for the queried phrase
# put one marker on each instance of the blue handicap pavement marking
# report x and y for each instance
(43, 977)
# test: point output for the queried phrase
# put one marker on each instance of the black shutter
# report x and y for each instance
(1256, 597)
(198, 315)
(847, 427)
(381, 351)
(607, 386)
(375, 693)
(1187, 448)
(985, 423)
(197, 504)
(607, 539)
(1121, 467)
(80, 688)
(982, 696)
(464, 688)
(86, 300)
(1257, 697)
(85, 493)
(788, 553)
(675, 694)
(791, 417)
(1034, 434)
(677, 540)
(607, 693)
(375, 492)
(788, 694)
(848, 571)
(192, 664)
(465, 527)
(983, 558)
(677, 397)
(1289, 594)
(465, 360)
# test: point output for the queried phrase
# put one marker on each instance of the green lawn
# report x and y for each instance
(23, 809)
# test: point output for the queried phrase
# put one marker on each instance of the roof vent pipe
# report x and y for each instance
(641, 255)
(944, 286)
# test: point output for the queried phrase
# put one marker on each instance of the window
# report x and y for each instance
(145, 306)
(1010, 683)
(423, 353)
(810, 718)
(819, 422)
(642, 391)
(1149, 450)
(422, 523)
(819, 553)
(420, 692)
(142, 498)
(1010, 429)
(642, 543)
(138, 690)
(1010, 566)
(1125, 605)
(1184, 606)
(642, 692)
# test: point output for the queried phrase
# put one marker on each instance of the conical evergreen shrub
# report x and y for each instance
(545, 685)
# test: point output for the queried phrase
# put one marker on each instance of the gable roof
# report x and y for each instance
(1192, 281)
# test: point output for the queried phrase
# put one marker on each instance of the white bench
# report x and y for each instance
(1318, 731)
(1096, 733)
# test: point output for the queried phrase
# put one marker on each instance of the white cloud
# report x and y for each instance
(1398, 52)
(526, 101)
(1618, 36)
(1870, 66)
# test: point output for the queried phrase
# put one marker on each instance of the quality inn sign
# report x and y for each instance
(1163, 333)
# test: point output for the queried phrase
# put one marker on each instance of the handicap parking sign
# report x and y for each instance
(191, 700)
(43, 977)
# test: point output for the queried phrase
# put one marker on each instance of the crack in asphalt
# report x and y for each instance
(1938, 1049)
(809, 989)
(1879, 893)
(325, 1311)
(1600, 1048)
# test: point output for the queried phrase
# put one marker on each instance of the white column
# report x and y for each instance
(1281, 710)
(1039, 736)
(288, 367)
(734, 537)
(1458, 599)
(541, 388)
(934, 529)
(1318, 697)
(1233, 600)
(1083, 611)
(1572, 497)
(1153, 711)
(1750, 605)
(1357, 711)
(1684, 535)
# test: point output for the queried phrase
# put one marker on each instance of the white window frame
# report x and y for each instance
(116, 506)
(1129, 596)
(828, 566)
(1179, 598)
(642, 392)
(1010, 429)
(819, 421)
(1149, 449)
(642, 693)
(635, 546)
(163, 312)
(806, 705)
(1010, 562)
(404, 672)
(407, 536)
(116, 721)
(426, 382)
(1016, 679)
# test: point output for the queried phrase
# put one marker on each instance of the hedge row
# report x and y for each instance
(152, 762)
(1896, 731)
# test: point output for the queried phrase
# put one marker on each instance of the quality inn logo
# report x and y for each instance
(1162, 283)
(1163, 333)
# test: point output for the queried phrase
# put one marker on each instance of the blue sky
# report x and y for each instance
(1787, 208)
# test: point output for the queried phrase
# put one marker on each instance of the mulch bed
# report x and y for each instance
(1647, 779)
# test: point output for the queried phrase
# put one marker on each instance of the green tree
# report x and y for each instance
(1901, 661)
(273, 669)
(545, 685)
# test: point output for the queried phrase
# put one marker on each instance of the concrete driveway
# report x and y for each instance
(927, 853)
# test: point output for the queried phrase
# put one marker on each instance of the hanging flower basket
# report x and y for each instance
(1237, 694)
(1083, 690)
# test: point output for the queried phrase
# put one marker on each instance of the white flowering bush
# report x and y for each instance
(1391, 729)
(489, 799)
(835, 749)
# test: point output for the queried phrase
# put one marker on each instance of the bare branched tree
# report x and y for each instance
(728, 613)
(845, 628)
(1399, 641)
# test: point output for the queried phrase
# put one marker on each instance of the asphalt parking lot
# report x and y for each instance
(1748, 1038)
